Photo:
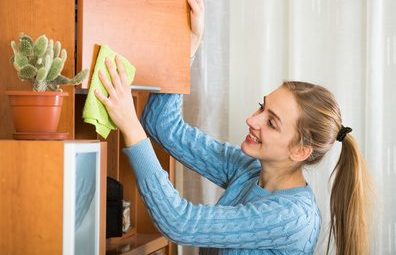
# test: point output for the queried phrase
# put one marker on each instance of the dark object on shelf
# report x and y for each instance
(114, 208)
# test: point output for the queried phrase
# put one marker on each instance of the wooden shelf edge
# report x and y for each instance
(138, 244)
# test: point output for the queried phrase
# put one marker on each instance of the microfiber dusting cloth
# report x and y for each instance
(94, 111)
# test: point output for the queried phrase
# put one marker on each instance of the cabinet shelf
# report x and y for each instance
(137, 244)
(152, 89)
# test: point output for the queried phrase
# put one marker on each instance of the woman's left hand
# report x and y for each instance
(119, 103)
(197, 19)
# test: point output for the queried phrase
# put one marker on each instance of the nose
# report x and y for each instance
(253, 121)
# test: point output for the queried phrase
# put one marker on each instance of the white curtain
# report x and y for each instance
(207, 105)
(348, 46)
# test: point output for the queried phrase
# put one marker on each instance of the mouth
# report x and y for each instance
(252, 139)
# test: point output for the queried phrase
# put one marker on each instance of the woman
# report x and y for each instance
(267, 206)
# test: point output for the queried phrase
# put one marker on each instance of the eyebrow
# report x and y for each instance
(272, 112)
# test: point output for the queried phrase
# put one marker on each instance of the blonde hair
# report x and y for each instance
(318, 126)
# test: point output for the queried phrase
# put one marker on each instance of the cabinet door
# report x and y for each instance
(154, 35)
(33, 204)
(31, 197)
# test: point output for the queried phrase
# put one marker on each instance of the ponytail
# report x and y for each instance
(319, 126)
(348, 202)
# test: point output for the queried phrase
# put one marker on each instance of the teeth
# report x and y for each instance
(254, 138)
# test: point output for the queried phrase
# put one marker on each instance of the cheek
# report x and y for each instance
(274, 143)
(268, 136)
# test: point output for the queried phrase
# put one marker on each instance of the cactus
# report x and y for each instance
(20, 61)
(27, 72)
(40, 45)
(57, 49)
(25, 47)
(41, 62)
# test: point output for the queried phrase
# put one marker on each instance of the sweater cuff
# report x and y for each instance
(143, 159)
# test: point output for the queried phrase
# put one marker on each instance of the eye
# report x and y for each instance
(261, 107)
(270, 124)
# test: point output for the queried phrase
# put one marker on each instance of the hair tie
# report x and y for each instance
(343, 132)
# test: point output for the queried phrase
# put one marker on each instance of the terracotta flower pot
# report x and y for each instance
(36, 112)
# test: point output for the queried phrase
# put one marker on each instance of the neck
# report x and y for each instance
(277, 178)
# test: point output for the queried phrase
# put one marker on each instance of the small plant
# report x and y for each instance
(41, 62)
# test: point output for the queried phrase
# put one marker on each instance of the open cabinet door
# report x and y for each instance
(154, 35)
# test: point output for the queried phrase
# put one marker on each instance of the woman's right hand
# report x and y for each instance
(197, 18)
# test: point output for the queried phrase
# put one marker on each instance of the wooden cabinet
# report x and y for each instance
(54, 18)
(52, 197)
(38, 212)
(143, 237)
(153, 34)
(159, 252)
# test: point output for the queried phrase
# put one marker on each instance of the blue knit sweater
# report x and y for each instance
(246, 220)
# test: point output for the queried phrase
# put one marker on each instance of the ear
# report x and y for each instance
(300, 153)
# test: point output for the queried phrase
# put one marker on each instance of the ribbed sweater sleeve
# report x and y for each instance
(274, 222)
(217, 161)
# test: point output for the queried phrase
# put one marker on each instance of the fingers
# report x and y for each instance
(108, 86)
(115, 78)
(104, 100)
(196, 5)
(193, 4)
(201, 4)
(121, 71)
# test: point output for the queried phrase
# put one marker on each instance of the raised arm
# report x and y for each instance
(218, 162)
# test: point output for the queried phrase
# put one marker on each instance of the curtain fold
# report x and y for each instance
(207, 105)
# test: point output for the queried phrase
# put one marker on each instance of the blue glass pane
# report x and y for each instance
(85, 184)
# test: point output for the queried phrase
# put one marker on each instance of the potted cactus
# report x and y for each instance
(40, 62)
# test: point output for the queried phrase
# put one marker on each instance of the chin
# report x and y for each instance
(251, 152)
(245, 149)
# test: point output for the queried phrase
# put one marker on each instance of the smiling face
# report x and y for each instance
(272, 127)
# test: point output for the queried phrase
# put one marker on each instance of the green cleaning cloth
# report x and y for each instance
(94, 111)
